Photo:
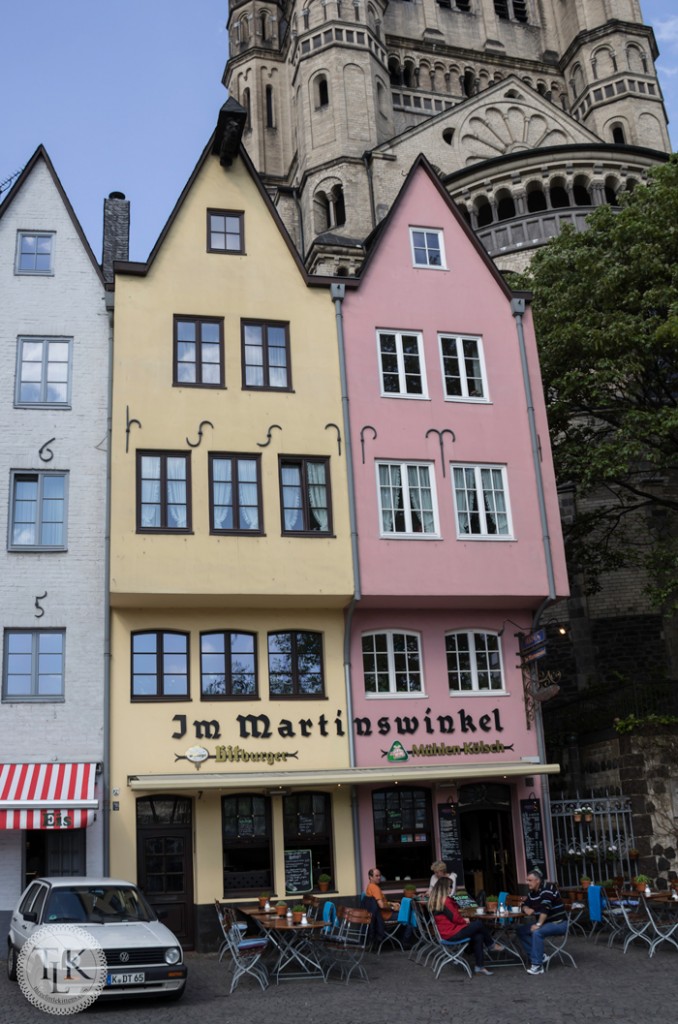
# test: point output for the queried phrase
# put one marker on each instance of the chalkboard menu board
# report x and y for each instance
(533, 834)
(450, 841)
(298, 871)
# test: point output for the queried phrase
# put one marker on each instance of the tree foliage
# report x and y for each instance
(606, 314)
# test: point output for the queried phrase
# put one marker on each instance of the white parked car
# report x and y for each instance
(143, 956)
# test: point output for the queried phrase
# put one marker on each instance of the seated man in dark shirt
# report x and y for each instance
(548, 917)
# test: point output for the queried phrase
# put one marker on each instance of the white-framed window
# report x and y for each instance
(33, 664)
(392, 663)
(474, 662)
(463, 367)
(34, 252)
(38, 512)
(428, 248)
(43, 373)
(401, 364)
(407, 499)
(481, 501)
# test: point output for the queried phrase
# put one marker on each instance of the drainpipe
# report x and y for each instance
(517, 310)
(338, 293)
(107, 606)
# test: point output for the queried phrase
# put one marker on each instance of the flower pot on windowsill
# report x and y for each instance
(324, 882)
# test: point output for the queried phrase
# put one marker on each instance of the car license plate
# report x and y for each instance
(138, 978)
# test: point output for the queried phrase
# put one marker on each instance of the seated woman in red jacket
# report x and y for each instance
(452, 926)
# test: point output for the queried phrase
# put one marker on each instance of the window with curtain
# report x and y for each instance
(407, 499)
(198, 351)
(463, 367)
(295, 664)
(43, 372)
(265, 355)
(160, 665)
(235, 493)
(481, 501)
(163, 491)
(38, 512)
(228, 665)
(473, 662)
(305, 496)
(392, 663)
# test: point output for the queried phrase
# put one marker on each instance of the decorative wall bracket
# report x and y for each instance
(441, 434)
(538, 687)
(327, 427)
(203, 423)
(269, 436)
(368, 426)
(41, 611)
(130, 423)
(48, 453)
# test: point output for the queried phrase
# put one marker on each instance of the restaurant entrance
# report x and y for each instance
(165, 861)
(487, 839)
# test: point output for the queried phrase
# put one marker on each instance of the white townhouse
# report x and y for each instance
(54, 388)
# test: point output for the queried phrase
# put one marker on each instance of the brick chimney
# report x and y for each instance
(116, 233)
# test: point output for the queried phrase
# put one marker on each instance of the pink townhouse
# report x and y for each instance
(459, 552)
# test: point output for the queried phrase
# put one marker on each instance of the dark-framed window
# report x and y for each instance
(163, 491)
(266, 355)
(247, 835)
(295, 664)
(198, 351)
(38, 514)
(235, 493)
(34, 252)
(43, 375)
(160, 665)
(305, 499)
(403, 831)
(307, 824)
(226, 231)
(228, 665)
(33, 664)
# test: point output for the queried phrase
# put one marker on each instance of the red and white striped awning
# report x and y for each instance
(55, 796)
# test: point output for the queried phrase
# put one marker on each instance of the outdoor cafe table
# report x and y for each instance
(296, 957)
(503, 927)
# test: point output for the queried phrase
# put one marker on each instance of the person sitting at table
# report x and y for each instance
(439, 869)
(453, 927)
(388, 908)
(544, 903)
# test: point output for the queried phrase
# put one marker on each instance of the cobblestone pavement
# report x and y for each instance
(607, 986)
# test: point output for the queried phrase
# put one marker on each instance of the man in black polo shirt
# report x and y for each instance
(544, 905)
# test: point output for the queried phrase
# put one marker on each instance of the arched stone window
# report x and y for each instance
(329, 209)
(243, 31)
(382, 105)
(463, 210)
(246, 105)
(618, 136)
(506, 207)
(580, 191)
(636, 59)
(577, 82)
(536, 198)
(321, 91)
(484, 214)
(558, 194)
(264, 26)
(468, 83)
(611, 189)
(394, 72)
(408, 75)
(270, 112)
(604, 62)
(448, 135)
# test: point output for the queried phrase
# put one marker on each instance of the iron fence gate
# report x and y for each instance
(593, 837)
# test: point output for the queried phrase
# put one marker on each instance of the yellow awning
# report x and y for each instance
(338, 776)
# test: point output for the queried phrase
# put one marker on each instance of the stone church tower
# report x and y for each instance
(533, 112)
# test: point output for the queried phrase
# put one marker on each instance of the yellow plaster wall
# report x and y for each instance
(263, 284)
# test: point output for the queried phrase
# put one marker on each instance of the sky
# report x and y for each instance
(124, 96)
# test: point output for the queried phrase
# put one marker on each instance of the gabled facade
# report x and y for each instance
(230, 560)
(54, 360)
(459, 549)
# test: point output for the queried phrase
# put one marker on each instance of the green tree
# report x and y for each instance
(606, 315)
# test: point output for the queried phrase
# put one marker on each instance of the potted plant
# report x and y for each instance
(491, 903)
(587, 811)
(263, 899)
(585, 881)
(641, 882)
(409, 890)
(298, 911)
(324, 882)
(281, 908)
(577, 814)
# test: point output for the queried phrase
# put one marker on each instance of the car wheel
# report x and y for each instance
(11, 962)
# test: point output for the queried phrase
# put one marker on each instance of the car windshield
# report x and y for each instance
(98, 904)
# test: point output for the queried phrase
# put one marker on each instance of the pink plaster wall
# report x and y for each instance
(466, 298)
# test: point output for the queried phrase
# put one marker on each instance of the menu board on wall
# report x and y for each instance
(450, 840)
(298, 871)
(533, 834)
